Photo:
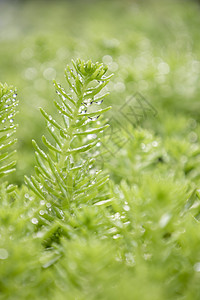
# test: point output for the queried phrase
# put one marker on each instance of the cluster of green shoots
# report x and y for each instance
(70, 232)
(65, 175)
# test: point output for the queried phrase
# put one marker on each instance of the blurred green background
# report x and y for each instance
(151, 46)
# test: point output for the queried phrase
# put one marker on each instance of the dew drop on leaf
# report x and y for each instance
(99, 102)
(126, 207)
(93, 118)
(34, 221)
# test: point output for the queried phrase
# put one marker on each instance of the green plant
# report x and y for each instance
(66, 182)
(8, 104)
(66, 177)
(71, 233)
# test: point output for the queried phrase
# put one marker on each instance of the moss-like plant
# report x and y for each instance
(65, 176)
(68, 234)
(8, 105)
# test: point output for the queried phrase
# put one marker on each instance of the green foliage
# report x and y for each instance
(66, 177)
(70, 232)
(73, 236)
(7, 113)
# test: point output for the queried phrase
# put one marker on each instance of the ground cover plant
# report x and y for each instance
(108, 207)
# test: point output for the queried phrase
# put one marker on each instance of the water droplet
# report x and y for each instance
(3, 253)
(84, 111)
(87, 121)
(164, 220)
(34, 221)
(92, 172)
(126, 207)
(80, 78)
(197, 267)
(99, 102)
(11, 120)
(117, 216)
(3, 121)
(116, 236)
(88, 102)
(192, 137)
(42, 212)
(130, 259)
(48, 205)
(81, 107)
(154, 143)
(42, 202)
(112, 230)
(93, 118)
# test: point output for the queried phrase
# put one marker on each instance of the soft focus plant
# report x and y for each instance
(70, 232)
